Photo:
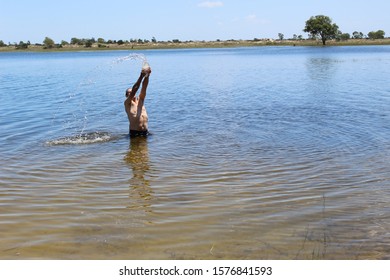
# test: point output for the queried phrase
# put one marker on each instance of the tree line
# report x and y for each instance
(323, 28)
(373, 35)
(49, 43)
(318, 28)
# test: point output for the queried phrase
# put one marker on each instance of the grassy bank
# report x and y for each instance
(198, 44)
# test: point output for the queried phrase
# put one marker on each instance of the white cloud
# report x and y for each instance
(209, 4)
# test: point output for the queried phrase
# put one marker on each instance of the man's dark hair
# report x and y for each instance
(127, 92)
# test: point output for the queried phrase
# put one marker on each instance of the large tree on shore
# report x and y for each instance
(48, 43)
(321, 26)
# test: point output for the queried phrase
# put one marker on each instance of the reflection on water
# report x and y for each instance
(137, 159)
(321, 69)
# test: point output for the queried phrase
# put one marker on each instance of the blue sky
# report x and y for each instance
(33, 20)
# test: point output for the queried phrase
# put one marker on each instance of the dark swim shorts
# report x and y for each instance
(135, 133)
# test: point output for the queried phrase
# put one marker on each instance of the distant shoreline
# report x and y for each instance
(197, 44)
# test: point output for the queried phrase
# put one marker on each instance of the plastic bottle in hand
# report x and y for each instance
(146, 68)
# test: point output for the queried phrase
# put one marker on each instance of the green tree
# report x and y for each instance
(2, 43)
(321, 26)
(357, 35)
(344, 36)
(380, 34)
(281, 36)
(48, 43)
(76, 41)
(88, 42)
(22, 45)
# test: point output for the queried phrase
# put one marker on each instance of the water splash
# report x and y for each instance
(83, 138)
(132, 56)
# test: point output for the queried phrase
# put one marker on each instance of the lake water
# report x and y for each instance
(255, 153)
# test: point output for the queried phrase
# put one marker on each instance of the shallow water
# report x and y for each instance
(255, 153)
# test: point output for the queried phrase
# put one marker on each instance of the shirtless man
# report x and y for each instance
(134, 106)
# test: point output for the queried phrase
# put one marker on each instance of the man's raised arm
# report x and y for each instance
(134, 89)
(145, 83)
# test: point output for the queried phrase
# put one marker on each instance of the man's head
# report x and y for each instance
(128, 92)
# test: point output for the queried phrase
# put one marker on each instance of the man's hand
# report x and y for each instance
(146, 71)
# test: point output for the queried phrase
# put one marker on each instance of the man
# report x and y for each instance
(134, 106)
